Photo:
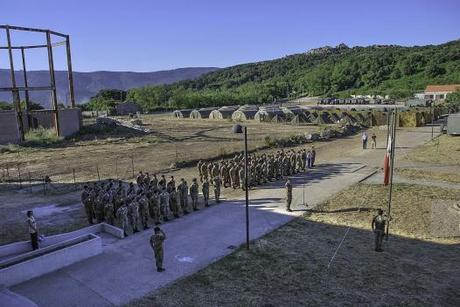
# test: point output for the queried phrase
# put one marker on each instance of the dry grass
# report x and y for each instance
(170, 141)
(411, 207)
(417, 174)
(289, 267)
(443, 150)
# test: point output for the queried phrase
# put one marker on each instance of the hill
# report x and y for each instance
(88, 84)
(379, 69)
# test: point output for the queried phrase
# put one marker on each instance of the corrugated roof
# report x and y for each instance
(442, 88)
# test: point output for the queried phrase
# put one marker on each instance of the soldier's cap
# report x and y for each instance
(156, 229)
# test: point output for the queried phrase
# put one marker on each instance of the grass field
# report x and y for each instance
(292, 265)
(443, 150)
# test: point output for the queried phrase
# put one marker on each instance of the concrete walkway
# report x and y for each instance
(125, 270)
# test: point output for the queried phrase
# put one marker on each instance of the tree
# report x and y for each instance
(4, 106)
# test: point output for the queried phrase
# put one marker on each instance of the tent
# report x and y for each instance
(201, 113)
(245, 112)
(182, 113)
(223, 112)
(267, 113)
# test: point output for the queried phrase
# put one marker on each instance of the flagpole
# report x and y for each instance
(392, 157)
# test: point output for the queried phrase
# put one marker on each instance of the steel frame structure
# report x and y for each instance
(14, 89)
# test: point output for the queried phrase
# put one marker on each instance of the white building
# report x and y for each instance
(439, 92)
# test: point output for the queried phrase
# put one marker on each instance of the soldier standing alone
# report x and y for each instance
(288, 186)
(157, 242)
(378, 227)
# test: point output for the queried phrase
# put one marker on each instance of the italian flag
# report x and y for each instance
(387, 162)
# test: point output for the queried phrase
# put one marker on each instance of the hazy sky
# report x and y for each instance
(149, 35)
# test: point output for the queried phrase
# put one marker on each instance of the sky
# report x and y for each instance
(151, 35)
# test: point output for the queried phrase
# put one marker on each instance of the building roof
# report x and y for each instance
(442, 88)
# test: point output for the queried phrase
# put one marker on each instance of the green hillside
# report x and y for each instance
(341, 71)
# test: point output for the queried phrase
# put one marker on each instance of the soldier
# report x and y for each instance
(183, 191)
(99, 207)
(133, 214)
(242, 178)
(140, 178)
(171, 185)
(313, 156)
(154, 182)
(122, 215)
(217, 184)
(200, 173)
(131, 190)
(205, 190)
(194, 194)
(173, 203)
(143, 210)
(108, 213)
(378, 227)
(87, 203)
(288, 187)
(162, 183)
(154, 207)
(164, 204)
(146, 179)
(204, 170)
(157, 242)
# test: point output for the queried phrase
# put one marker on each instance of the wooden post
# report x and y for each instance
(132, 165)
(53, 82)
(116, 167)
(20, 179)
(98, 175)
(14, 91)
(73, 173)
(70, 72)
(30, 182)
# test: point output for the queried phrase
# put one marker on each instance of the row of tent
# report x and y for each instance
(335, 101)
(279, 114)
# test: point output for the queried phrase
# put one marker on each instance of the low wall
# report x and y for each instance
(45, 260)
(9, 128)
(70, 120)
(25, 246)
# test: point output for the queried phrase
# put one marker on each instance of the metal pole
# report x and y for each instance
(26, 85)
(432, 121)
(70, 72)
(14, 91)
(53, 82)
(246, 183)
(393, 147)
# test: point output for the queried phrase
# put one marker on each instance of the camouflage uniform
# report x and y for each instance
(156, 241)
(217, 185)
(122, 214)
(194, 194)
(205, 190)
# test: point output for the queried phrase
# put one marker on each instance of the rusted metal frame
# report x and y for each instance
(70, 72)
(14, 90)
(53, 82)
(29, 88)
(26, 85)
(32, 30)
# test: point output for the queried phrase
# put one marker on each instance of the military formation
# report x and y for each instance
(262, 168)
(156, 200)
(150, 200)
